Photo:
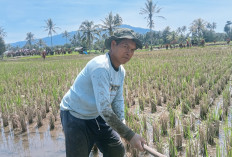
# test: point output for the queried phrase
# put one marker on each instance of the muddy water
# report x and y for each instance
(36, 142)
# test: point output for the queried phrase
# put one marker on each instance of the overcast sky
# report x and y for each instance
(18, 17)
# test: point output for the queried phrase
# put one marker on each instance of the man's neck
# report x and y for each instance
(111, 61)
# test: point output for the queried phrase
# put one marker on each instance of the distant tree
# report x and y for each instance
(228, 29)
(50, 27)
(74, 40)
(150, 10)
(111, 22)
(29, 38)
(181, 33)
(197, 27)
(41, 43)
(2, 47)
(173, 37)
(100, 41)
(88, 30)
(66, 35)
(211, 26)
(2, 32)
(166, 32)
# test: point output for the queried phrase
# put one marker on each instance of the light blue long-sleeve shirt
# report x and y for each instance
(98, 90)
(98, 87)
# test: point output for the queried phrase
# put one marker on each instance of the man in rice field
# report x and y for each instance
(92, 111)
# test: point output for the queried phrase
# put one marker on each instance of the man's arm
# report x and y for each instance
(101, 86)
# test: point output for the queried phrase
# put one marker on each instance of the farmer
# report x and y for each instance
(44, 54)
(92, 111)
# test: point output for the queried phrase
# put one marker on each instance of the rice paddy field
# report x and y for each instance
(179, 100)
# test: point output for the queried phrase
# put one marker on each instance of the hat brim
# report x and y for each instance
(110, 39)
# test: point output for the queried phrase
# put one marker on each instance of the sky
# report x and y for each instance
(18, 17)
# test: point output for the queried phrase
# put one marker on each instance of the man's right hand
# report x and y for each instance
(137, 142)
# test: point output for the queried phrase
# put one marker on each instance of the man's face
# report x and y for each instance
(122, 52)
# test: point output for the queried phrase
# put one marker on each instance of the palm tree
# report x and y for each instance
(111, 22)
(2, 32)
(88, 30)
(29, 38)
(66, 35)
(150, 10)
(50, 27)
(197, 28)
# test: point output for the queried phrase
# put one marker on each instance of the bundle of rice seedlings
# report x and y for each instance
(39, 119)
(210, 133)
(23, 123)
(203, 141)
(43, 112)
(164, 124)
(153, 106)
(172, 118)
(15, 121)
(52, 122)
(5, 119)
(30, 113)
(192, 122)
(186, 128)
(172, 148)
(178, 138)
(156, 132)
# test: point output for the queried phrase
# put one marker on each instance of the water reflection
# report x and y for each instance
(36, 142)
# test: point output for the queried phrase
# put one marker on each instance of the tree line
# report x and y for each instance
(92, 36)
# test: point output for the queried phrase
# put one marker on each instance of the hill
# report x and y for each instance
(59, 40)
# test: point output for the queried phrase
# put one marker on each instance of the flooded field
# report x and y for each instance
(36, 142)
(178, 100)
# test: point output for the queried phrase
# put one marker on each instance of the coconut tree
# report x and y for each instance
(66, 35)
(50, 27)
(29, 38)
(197, 27)
(88, 30)
(173, 38)
(111, 22)
(150, 10)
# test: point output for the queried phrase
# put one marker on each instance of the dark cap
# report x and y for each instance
(123, 33)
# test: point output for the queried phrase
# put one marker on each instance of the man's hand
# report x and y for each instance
(137, 142)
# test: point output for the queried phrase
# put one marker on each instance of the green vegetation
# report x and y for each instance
(157, 85)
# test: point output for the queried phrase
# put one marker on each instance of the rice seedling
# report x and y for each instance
(30, 115)
(164, 124)
(156, 132)
(172, 148)
(172, 118)
(153, 105)
(15, 121)
(186, 128)
(51, 122)
(178, 138)
(192, 122)
(5, 119)
(23, 123)
(203, 142)
(210, 132)
(39, 119)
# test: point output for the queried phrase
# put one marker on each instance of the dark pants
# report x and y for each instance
(80, 136)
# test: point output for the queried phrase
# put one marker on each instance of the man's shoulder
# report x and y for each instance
(101, 61)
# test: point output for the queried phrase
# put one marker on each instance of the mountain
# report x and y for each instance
(59, 40)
